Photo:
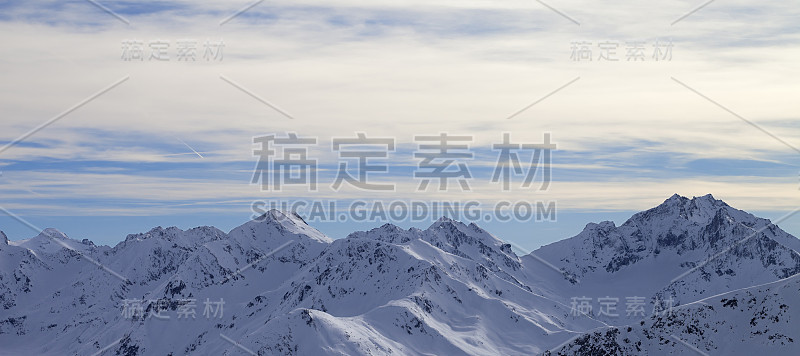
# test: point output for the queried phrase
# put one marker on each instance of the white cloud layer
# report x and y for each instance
(399, 69)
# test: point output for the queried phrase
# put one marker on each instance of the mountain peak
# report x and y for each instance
(707, 196)
(156, 232)
(700, 210)
(3, 238)
(454, 236)
(676, 197)
(603, 226)
(385, 228)
(275, 215)
(283, 222)
(708, 200)
(679, 234)
(445, 221)
(173, 235)
(53, 233)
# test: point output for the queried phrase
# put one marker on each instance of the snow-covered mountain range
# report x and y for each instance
(692, 276)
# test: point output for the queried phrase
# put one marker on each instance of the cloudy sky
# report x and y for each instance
(171, 142)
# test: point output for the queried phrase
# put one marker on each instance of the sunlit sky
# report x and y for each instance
(629, 133)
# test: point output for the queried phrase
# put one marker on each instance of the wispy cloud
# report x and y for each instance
(626, 133)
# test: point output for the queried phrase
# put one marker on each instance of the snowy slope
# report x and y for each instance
(409, 296)
(755, 320)
(59, 302)
(682, 250)
(451, 288)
